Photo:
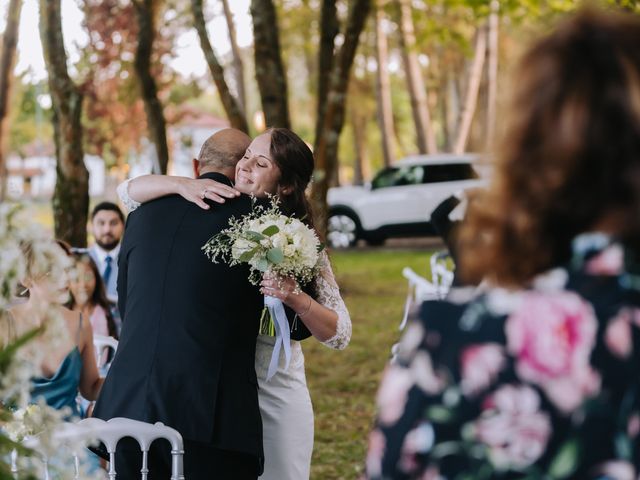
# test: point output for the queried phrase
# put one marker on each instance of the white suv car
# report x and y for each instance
(399, 200)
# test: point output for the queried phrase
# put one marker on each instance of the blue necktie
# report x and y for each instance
(107, 270)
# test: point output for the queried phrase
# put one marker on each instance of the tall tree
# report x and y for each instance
(492, 71)
(358, 122)
(383, 87)
(326, 152)
(71, 194)
(146, 14)
(473, 87)
(270, 74)
(329, 29)
(114, 119)
(231, 105)
(361, 166)
(7, 61)
(425, 135)
(238, 66)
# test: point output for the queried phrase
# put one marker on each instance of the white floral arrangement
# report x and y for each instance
(268, 241)
(30, 430)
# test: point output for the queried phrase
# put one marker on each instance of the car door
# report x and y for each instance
(440, 181)
(392, 198)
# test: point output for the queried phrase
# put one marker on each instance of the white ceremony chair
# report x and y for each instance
(421, 289)
(102, 346)
(110, 433)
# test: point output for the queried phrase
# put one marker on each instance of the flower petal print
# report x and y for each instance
(480, 365)
(551, 335)
(618, 469)
(608, 262)
(513, 427)
(618, 336)
(392, 395)
(377, 445)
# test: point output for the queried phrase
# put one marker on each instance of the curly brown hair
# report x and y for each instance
(570, 157)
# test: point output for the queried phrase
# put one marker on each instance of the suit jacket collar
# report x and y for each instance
(218, 177)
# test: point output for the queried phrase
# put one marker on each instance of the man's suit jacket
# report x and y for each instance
(187, 349)
(111, 285)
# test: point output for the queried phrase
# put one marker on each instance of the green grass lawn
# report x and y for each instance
(343, 384)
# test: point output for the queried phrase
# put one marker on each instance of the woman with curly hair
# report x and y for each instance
(537, 376)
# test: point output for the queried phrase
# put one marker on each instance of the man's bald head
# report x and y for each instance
(222, 150)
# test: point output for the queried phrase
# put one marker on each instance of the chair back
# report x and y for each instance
(110, 433)
(421, 289)
(105, 349)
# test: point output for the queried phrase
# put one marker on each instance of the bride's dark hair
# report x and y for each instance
(295, 161)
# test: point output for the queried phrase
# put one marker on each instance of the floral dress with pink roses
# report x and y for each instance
(538, 384)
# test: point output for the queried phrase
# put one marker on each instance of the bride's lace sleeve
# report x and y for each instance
(127, 201)
(329, 296)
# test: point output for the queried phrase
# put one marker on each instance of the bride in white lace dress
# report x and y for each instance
(276, 162)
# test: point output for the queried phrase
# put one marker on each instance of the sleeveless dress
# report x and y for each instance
(61, 389)
(285, 403)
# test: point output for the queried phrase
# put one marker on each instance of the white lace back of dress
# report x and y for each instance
(127, 201)
(328, 295)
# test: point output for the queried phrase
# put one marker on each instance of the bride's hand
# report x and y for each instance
(285, 289)
(196, 190)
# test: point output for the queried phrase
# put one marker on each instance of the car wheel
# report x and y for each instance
(342, 230)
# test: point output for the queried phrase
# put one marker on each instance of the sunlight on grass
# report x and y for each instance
(343, 384)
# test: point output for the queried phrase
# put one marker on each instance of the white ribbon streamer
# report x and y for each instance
(279, 317)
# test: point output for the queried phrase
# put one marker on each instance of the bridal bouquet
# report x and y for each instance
(269, 241)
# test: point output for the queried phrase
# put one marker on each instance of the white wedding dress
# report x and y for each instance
(285, 403)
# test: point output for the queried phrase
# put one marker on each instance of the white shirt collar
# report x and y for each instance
(101, 253)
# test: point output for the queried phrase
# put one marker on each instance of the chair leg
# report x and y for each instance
(76, 466)
(144, 471)
(112, 465)
(177, 470)
(45, 461)
(14, 463)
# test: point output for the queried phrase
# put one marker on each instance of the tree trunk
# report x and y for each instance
(238, 67)
(71, 194)
(451, 106)
(473, 86)
(270, 74)
(326, 153)
(426, 138)
(146, 11)
(329, 29)
(232, 107)
(7, 62)
(361, 168)
(383, 90)
(492, 95)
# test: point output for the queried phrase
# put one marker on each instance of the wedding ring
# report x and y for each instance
(203, 194)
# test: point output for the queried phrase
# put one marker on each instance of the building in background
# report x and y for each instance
(33, 176)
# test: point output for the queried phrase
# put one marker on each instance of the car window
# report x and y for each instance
(399, 176)
(449, 173)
